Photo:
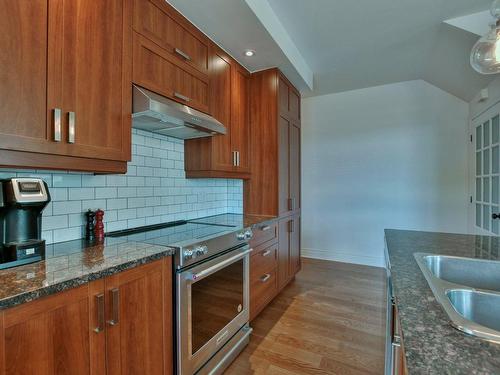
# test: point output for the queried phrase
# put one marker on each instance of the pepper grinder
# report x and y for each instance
(99, 226)
(89, 233)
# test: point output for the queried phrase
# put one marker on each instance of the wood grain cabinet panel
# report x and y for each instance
(156, 70)
(121, 324)
(294, 171)
(284, 166)
(263, 277)
(52, 336)
(295, 228)
(65, 92)
(228, 155)
(160, 23)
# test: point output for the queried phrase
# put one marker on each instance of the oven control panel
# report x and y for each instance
(246, 235)
(195, 252)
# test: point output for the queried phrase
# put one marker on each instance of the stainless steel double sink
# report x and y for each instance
(469, 291)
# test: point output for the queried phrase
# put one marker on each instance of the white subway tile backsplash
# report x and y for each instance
(154, 190)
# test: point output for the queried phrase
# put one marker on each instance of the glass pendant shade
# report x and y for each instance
(485, 55)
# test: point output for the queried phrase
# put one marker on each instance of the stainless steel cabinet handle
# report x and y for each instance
(100, 313)
(291, 226)
(238, 159)
(182, 53)
(57, 124)
(265, 228)
(181, 97)
(235, 161)
(266, 253)
(115, 307)
(71, 127)
(291, 204)
(265, 277)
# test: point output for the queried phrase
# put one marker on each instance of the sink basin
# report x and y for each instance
(476, 273)
(478, 307)
(469, 291)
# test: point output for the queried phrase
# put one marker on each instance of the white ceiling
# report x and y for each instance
(351, 44)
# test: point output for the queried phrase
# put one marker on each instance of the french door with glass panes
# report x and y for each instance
(485, 169)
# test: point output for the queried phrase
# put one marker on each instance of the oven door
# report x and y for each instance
(212, 306)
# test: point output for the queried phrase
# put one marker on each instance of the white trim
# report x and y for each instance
(343, 257)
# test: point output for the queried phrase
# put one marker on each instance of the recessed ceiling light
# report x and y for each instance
(249, 53)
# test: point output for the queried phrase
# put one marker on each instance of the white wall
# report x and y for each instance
(392, 156)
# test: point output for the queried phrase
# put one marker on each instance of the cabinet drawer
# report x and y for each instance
(264, 259)
(152, 21)
(263, 233)
(156, 70)
(262, 291)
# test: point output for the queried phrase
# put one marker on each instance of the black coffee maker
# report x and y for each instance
(22, 201)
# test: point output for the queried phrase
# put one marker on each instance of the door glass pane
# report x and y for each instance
(486, 217)
(478, 163)
(486, 189)
(215, 301)
(486, 161)
(478, 137)
(494, 129)
(486, 134)
(478, 215)
(494, 159)
(478, 189)
(494, 190)
(494, 222)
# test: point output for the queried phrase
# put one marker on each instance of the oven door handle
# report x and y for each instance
(200, 275)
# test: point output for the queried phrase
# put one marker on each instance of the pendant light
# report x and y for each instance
(485, 55)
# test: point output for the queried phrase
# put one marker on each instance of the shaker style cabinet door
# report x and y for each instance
(139, 320)
(53, 336)
(284, 165)
(95, 76)
(294, 173)
(240, 119)
(26, 112)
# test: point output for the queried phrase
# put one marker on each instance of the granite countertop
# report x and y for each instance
(73, 263)
(432, 345)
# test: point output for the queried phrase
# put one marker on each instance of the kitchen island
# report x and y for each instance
(431, 344)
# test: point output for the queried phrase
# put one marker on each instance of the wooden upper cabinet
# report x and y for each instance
(157, 70)
(65, 97)
(53, 335)
(95, 84)
(139, 309)
(240, 118)
(161, 24)
(25, 122)
(228, 155)
(274, 189)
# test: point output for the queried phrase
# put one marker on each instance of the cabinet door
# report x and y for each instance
(139, 316)
(223, 157)
(284, 165)
(52, 336)
(26, 115)
(283, 97)
(95, 78)
(283, 252)
(294, 227)
(294, 173)
(240, 119)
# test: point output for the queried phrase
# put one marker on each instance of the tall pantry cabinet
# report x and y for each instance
(274, 188)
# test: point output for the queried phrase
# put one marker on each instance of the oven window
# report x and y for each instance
(216, 300)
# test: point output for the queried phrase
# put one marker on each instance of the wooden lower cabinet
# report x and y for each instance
(288, 249)
(121, 324)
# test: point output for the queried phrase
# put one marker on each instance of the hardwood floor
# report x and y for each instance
(330, 320)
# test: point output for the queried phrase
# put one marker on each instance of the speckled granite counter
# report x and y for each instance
(432, 345)
(73, 263)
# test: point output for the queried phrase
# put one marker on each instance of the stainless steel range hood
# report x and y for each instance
(155, 113)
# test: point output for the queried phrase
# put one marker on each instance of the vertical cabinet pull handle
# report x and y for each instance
(291, 226)
(238, 158)
(100, 313)
(290, 204)
(115, 307)
(71, 127)
(234, 159)
(57, 124)
(182, 53)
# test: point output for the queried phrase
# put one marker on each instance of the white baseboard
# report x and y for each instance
(343, 257)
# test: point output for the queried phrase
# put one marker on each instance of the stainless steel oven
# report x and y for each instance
(212, 312)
